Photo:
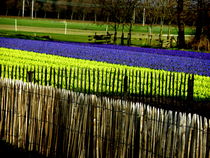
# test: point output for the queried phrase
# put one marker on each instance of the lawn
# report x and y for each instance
(78, 31)
(44, 36)
(86, 25)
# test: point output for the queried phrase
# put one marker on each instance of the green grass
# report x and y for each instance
(59, 37)
(11, 57)
(41, 36)
(139, 31)
(49, 23)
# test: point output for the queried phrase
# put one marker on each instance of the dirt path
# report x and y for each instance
(50, 30)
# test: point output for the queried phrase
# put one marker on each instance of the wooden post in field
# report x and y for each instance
(143, 21)
(30, 76)
(107, 27)
(65, 32)
(23, 8)
(15, 24)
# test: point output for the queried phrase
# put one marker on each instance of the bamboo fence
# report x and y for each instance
(62, 123)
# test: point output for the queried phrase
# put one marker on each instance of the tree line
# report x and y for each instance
(122, 13)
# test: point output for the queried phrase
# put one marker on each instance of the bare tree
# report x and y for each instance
(180, 22)
(202, 20)
(9, 5)
(130, 16)
(166, 12)
(120, 13)
(152, 15)
(37, 7)
(61, 5)
(170, 12)
(47, 7)
(112, 10)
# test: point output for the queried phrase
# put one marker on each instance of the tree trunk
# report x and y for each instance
(200, 20)
(35, 14)
(122, 36)
(107, 26)
(83, 16)
(161, 33)
(180, 21)
(32, 9)
(169, 31)
(95, 18)
(150, 35)
(23, 9)
(129, 35)
(72, 15)
(19, 12)
(7, 10)
(115, 33)
(58, 15)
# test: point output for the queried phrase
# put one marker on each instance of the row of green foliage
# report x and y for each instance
(74, 68)
(49, 23)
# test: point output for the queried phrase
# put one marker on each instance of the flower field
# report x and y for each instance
(22, 58)
(168, 60)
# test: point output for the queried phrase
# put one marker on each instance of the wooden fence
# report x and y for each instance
(62, 123)
(148, 87)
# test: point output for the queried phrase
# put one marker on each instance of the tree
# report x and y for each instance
(130, 16)
(60, 7)
(152, 15)
(47, 7)
(10, 5)
(180, 22)
(202, 21)
(37, 8)
(206, 29)
(112, 10)
(120, 13)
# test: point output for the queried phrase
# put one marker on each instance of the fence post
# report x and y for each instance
(50, 77)
(125, 86)
(30, 76)
(12, 72)
(45, 77)
(190, 89)
(113, 82)
(208, 141)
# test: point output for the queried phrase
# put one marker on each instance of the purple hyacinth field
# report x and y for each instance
(169, 60)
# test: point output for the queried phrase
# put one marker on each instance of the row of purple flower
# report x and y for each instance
(180, 61)
(199, 55)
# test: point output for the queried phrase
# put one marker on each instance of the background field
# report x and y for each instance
(78, 31)
(86, 25)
